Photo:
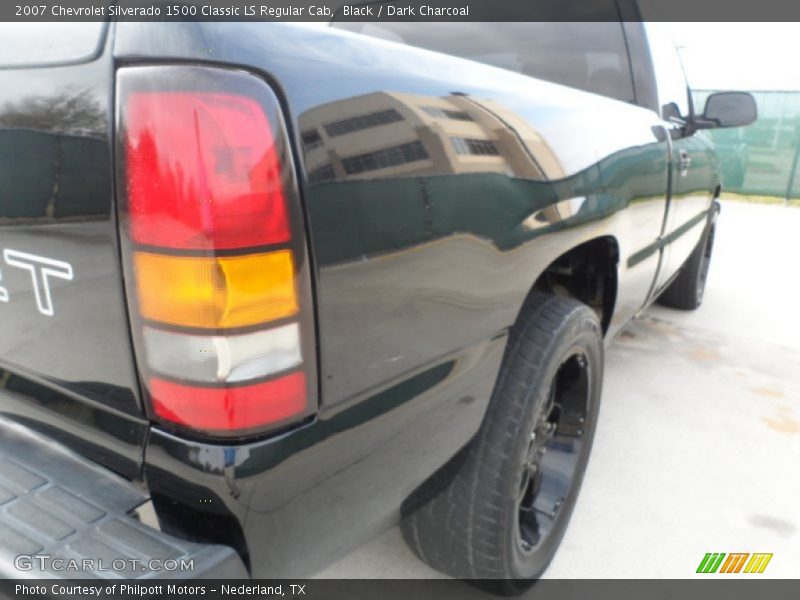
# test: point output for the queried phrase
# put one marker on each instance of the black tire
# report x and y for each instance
(687, 289)
(482, 522)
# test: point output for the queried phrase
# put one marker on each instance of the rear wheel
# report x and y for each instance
(500, 510)
(688, 288)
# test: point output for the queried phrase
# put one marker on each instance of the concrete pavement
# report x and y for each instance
(698, 444)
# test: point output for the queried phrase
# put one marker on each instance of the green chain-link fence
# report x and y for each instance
(762, 159)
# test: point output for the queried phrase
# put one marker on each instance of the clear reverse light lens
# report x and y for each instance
(231, 358)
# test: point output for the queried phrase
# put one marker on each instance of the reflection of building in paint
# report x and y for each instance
(386, 134)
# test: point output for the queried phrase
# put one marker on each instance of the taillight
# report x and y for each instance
(214, 251)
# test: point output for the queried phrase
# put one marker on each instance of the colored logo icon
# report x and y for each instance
(741, 562)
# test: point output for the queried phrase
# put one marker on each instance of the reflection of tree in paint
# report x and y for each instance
(71, 112)
(54, 159)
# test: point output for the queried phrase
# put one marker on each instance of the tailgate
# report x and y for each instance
(66, 364)
(63, 516)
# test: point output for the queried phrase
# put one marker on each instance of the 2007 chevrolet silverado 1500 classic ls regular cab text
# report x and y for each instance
(292, 285)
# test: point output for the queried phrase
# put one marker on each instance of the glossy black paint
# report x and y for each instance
(418, 268)
(306, 497)
(71, 373)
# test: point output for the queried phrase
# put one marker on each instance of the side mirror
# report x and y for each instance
(671, 112)
(727, 109)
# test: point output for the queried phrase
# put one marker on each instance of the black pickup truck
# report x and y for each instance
(269, 289)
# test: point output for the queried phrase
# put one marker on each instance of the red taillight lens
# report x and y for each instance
(203, 172)
(216, 410)
(215, 260)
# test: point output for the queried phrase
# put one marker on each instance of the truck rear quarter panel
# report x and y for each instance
(425, 244)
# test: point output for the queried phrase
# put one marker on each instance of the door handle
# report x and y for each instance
(684, 162)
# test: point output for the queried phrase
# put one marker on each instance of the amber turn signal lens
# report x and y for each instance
(215, 292)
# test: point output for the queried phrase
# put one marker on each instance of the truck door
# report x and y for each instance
(66, 365)
(691, 181)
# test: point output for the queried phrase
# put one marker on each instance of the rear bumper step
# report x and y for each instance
(64, 516)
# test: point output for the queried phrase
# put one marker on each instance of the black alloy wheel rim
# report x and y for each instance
(555, 448)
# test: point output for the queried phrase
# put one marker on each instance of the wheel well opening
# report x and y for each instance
(587, 273)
